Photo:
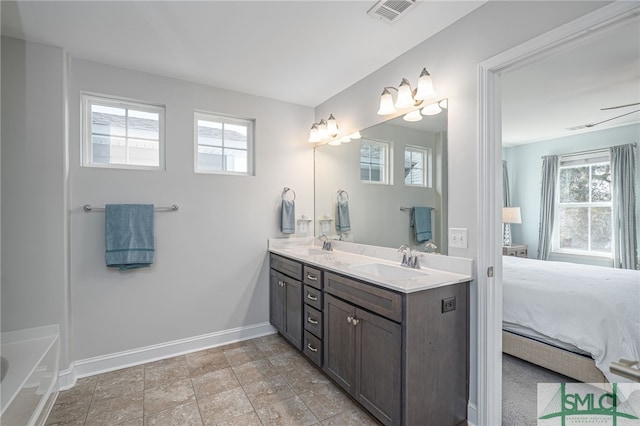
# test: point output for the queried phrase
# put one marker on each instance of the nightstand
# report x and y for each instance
(518, 250)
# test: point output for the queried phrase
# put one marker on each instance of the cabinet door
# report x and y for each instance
(339, 341)
(378, 366)
(276, 301)
(293, 311)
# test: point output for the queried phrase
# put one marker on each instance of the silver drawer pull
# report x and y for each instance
(312, 321)
(281, 283)
(312, 277)
(311, 348)
(311, 297)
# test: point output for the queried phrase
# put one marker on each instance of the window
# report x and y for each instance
(122, 134)
(375, 162)
(223, 144)
(584, 210)
(416, 166)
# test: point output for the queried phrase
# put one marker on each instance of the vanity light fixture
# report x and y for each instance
(407, 97)
(413, 116)
(323, 130)
(435, 108)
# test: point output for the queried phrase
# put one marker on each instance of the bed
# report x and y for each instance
(570, 318)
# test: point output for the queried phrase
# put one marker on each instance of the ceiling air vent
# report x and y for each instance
(390, 11)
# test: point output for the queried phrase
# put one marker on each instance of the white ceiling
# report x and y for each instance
(568, 88)
(302, 52)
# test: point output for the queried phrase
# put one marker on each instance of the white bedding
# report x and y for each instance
(593, 308)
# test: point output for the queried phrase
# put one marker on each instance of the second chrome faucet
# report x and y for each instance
(409, 260)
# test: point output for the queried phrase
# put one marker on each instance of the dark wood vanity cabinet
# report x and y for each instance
(402, 356)
(285, 298)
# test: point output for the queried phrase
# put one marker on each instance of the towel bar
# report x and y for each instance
(406, 209)
(89, 208)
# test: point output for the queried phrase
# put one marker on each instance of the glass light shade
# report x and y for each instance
(386, 103)
(431, 109)
(313, 133)
(444, 104)
(413, 116)
(332, 126)
(322, 130)
(335, 142)
(511, 215)
(405, 97)
(425, 90)
(355, 135)
(344, 139)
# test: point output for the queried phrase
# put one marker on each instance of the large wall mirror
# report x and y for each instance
(395, 166)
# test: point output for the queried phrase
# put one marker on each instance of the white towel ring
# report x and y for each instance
(342, 192)
(287, 189)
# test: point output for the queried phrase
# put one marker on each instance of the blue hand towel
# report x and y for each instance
(421, 222)
(129, 235)
(343, 223)
(288, 217)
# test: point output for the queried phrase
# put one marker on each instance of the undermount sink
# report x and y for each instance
(307, 251)
(387, 271)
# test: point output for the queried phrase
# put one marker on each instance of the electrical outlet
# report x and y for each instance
(458, 237)
(448, 304)
(303, 226)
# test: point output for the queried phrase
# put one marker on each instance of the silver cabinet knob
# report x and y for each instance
(349, 319)
(355, 321)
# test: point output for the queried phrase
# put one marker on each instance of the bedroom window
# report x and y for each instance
(416, 166)
(223, 144)
(584, 210)
(375, 162)
(122, 134)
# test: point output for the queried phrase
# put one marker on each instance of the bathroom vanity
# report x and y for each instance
(395, 339)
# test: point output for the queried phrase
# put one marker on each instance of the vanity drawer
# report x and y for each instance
(313, 320)
(286, 266)
(312, 296)
(376, 299)
(313, 348)
(312, 277)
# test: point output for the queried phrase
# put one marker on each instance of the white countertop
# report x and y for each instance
(348, 259)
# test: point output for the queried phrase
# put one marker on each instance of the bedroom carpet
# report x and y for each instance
(519, 390)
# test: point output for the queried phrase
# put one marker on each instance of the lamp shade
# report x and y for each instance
(413, 116)
(431, 109)
(425, 90)
(405, 97)
(313, 133)
(386, 103)
(332, 126)
(511, 215)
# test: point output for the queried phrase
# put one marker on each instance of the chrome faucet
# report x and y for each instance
(409, 260)
(326, 244)
(343, 237)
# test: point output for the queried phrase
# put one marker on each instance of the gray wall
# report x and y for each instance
(524, 164)
(34, 229)
(211, 269)
(452, 56)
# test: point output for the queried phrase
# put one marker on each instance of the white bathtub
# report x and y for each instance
(30, 383)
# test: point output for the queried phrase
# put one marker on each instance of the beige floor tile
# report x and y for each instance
(183, 415)
(82, 391)
(355, 417)
(224, 406)
(327, 401)
(215, 382)
(168, 396)
(69, 413)
(114, 411)
(288, 361)
(249, 419)
(165, 372)
(134, 422)
(273, 344)
(130, 389)
(305, 378)
(268, 391)
(292, 412)
(254, 371)
(206, 361)
(120, 377)
(243, 354)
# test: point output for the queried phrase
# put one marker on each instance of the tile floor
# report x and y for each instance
(260, 382)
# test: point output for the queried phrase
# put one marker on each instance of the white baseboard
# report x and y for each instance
(472, 414)
(104, 363)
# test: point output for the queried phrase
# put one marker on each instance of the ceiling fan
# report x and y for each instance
(586, 126)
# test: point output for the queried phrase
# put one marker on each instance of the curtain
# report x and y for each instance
(547, 204)
(506, 201)
(623, 185)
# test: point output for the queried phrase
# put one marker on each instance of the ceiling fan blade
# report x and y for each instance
(619, 106)
(583, 126)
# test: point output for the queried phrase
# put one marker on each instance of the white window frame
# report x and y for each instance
(89, 99)
(426, 160)
(577, 160)
(225, 119)
(387, 173)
